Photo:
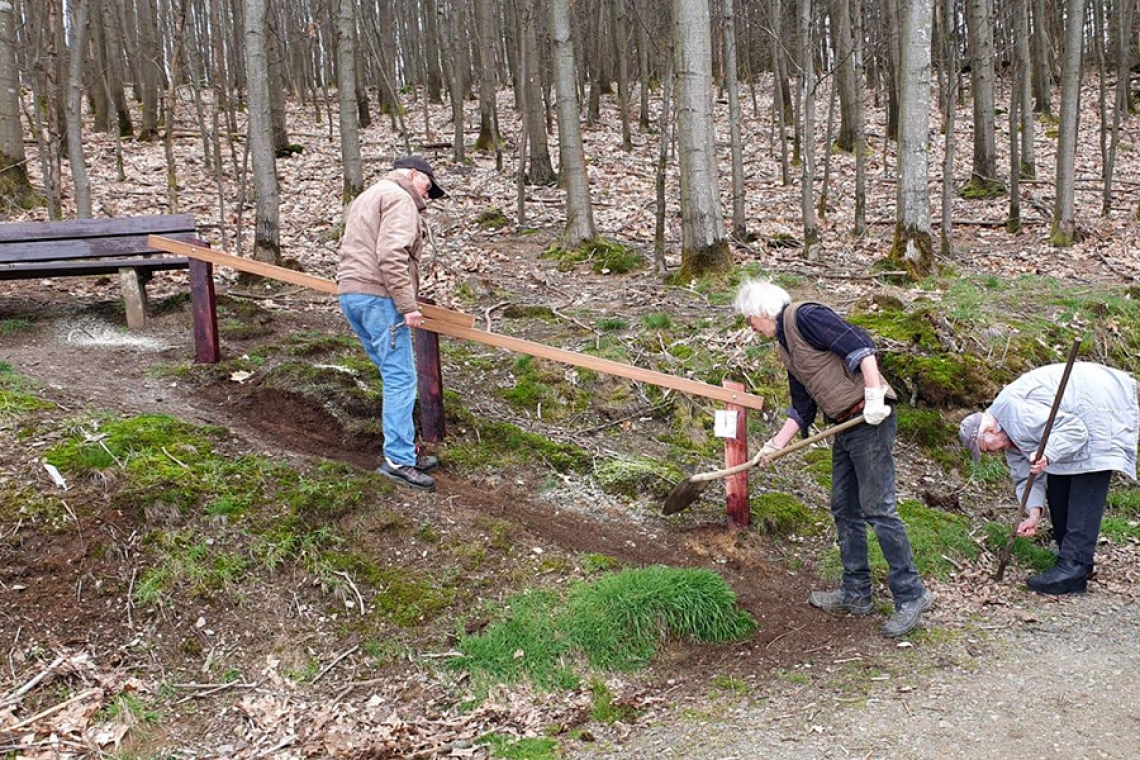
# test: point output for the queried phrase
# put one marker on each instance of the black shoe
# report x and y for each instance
(426, 463)
(1066, 577)
(407, 475)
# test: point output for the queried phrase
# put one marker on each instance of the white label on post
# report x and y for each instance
(724, 425)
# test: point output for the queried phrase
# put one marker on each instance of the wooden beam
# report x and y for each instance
(292, 276)
(459, 325)
(597, 364)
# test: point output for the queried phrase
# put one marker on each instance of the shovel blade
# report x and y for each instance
(683, 496)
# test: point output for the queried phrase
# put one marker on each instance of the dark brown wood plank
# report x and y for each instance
(203, 307)
(80, 248)
(73, 229)
(44, 269)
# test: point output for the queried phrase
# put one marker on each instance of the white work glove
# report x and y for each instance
(875, 408)
(767, 451)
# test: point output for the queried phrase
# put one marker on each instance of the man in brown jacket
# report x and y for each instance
(378, 281)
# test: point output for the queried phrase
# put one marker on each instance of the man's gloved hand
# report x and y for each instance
(767, 451)
(875, 408)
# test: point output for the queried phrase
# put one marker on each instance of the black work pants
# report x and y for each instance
(1076, 507)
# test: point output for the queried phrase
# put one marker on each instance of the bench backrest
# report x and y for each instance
(89, 238)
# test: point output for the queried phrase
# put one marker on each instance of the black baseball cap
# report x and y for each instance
(423, 167)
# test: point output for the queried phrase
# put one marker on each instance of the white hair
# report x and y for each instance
(760, 298)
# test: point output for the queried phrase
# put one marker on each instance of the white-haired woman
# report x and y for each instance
(832, 368)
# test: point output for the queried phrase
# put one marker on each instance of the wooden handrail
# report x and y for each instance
(160, 243)
(460, 325)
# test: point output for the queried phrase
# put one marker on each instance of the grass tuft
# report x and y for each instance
(614, 624)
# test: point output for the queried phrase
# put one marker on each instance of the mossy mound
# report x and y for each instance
(635, 476)
(605, 256)
(781, 514)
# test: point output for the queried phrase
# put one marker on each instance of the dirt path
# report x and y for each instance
(1060, 684)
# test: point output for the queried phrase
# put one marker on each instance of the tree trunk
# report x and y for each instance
(951, 71)
(807, 122)
(1041, 46)
(779, 96)
(704, 247)
(276, 70)
(1024, 77)
(912, 248)
(346, 97)
(489, 138)
(739, 222)
(94, 75)
(456, 82)
(579, 212)
(850, 98)
(893, 63)
(643, 65)
(15, 187)
(75, 110)
(662, 163)
(541, 170)
(260, 138)
(1064, 214)
(860, 132)
(620, 23)
(112, 36)
(434, 82)
(984, 179)
(150, 68)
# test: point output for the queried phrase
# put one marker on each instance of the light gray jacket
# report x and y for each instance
(1095, 429)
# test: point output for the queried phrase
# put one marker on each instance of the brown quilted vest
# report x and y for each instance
(838, 392)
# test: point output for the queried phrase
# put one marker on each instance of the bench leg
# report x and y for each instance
(134, 297)
(203, 306)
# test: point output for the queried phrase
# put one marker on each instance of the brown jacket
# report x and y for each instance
(383, 237)
(837, 391)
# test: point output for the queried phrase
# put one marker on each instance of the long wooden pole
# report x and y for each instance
(459, 325)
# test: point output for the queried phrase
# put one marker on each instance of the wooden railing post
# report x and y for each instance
(204, 308)
(430, 374)
(736, 452)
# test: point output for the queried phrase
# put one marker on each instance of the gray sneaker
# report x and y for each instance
(907, 616)
(842, 600)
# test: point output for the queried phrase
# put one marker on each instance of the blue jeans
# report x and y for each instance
(372, 318)
(1076, 507)
(863, 493)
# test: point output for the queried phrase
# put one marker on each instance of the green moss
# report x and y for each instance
(1122, 530)
(492, 219)
(980, 189)
(1027, 552)
(15, 325)
(657, 321)
(605, 256)
(934, 536)
(817, 464)
(945, 380)
(243, 319)
(635, 476)
(482, 444)
(782, 514)
(927, 429)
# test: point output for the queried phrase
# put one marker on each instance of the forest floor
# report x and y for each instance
(280, 670)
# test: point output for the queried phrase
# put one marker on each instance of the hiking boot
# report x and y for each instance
(407, 475)
(1066, 577)
(426, 463)
(907, 615)
(841, 600)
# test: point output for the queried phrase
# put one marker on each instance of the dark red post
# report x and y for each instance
(736, 452)
(203, 307)
(430, 373)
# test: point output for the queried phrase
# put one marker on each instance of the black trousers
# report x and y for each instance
(1076, 507)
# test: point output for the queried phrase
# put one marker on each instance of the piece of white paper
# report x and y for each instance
(724, 423)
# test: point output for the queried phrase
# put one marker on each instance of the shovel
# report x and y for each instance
(687, 491)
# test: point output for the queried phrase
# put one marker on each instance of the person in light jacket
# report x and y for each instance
(832, 368)
(377, 283)
(1093, 435)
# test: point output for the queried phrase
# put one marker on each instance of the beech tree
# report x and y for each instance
(1064, 212)
(260, 135)
(572, 160)
(984, 180)
(15, 187)
(912, 248)
(704, 247)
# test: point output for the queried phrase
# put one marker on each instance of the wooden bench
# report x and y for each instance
(80, 247)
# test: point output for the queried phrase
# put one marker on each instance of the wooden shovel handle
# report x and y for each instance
(789, 449)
